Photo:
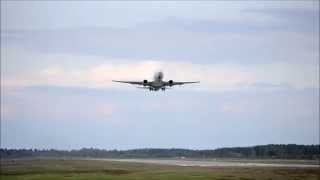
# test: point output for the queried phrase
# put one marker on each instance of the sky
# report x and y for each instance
(258, 63)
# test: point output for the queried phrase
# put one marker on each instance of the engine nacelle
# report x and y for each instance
(145, 82)
(170, 82)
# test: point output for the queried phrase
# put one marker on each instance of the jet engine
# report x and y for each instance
(145, 82)
(170, 82)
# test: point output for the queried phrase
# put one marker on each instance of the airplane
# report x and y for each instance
(157, 83)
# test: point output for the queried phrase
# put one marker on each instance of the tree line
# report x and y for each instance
(272, 151)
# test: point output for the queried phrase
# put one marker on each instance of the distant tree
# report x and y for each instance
(291, 151)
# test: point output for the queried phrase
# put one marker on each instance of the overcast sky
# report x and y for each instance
(258, 63)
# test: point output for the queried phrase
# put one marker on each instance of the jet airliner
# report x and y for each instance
(157, 83)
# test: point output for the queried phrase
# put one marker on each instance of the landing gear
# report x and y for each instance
(163, 89)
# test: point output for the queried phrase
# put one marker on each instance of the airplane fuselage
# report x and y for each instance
(157, 82)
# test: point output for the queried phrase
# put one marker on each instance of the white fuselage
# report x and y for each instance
(157, 82)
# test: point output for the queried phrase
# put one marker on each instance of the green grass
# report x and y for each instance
(104, 170)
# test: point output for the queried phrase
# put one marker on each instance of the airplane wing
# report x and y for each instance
(173, 83)
(133, 82)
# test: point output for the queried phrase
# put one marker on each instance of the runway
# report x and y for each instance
(226, 163)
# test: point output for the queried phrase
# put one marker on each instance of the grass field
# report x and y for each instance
(92, 169)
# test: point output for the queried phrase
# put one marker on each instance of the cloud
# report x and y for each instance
(201, 40)
(39, 15)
